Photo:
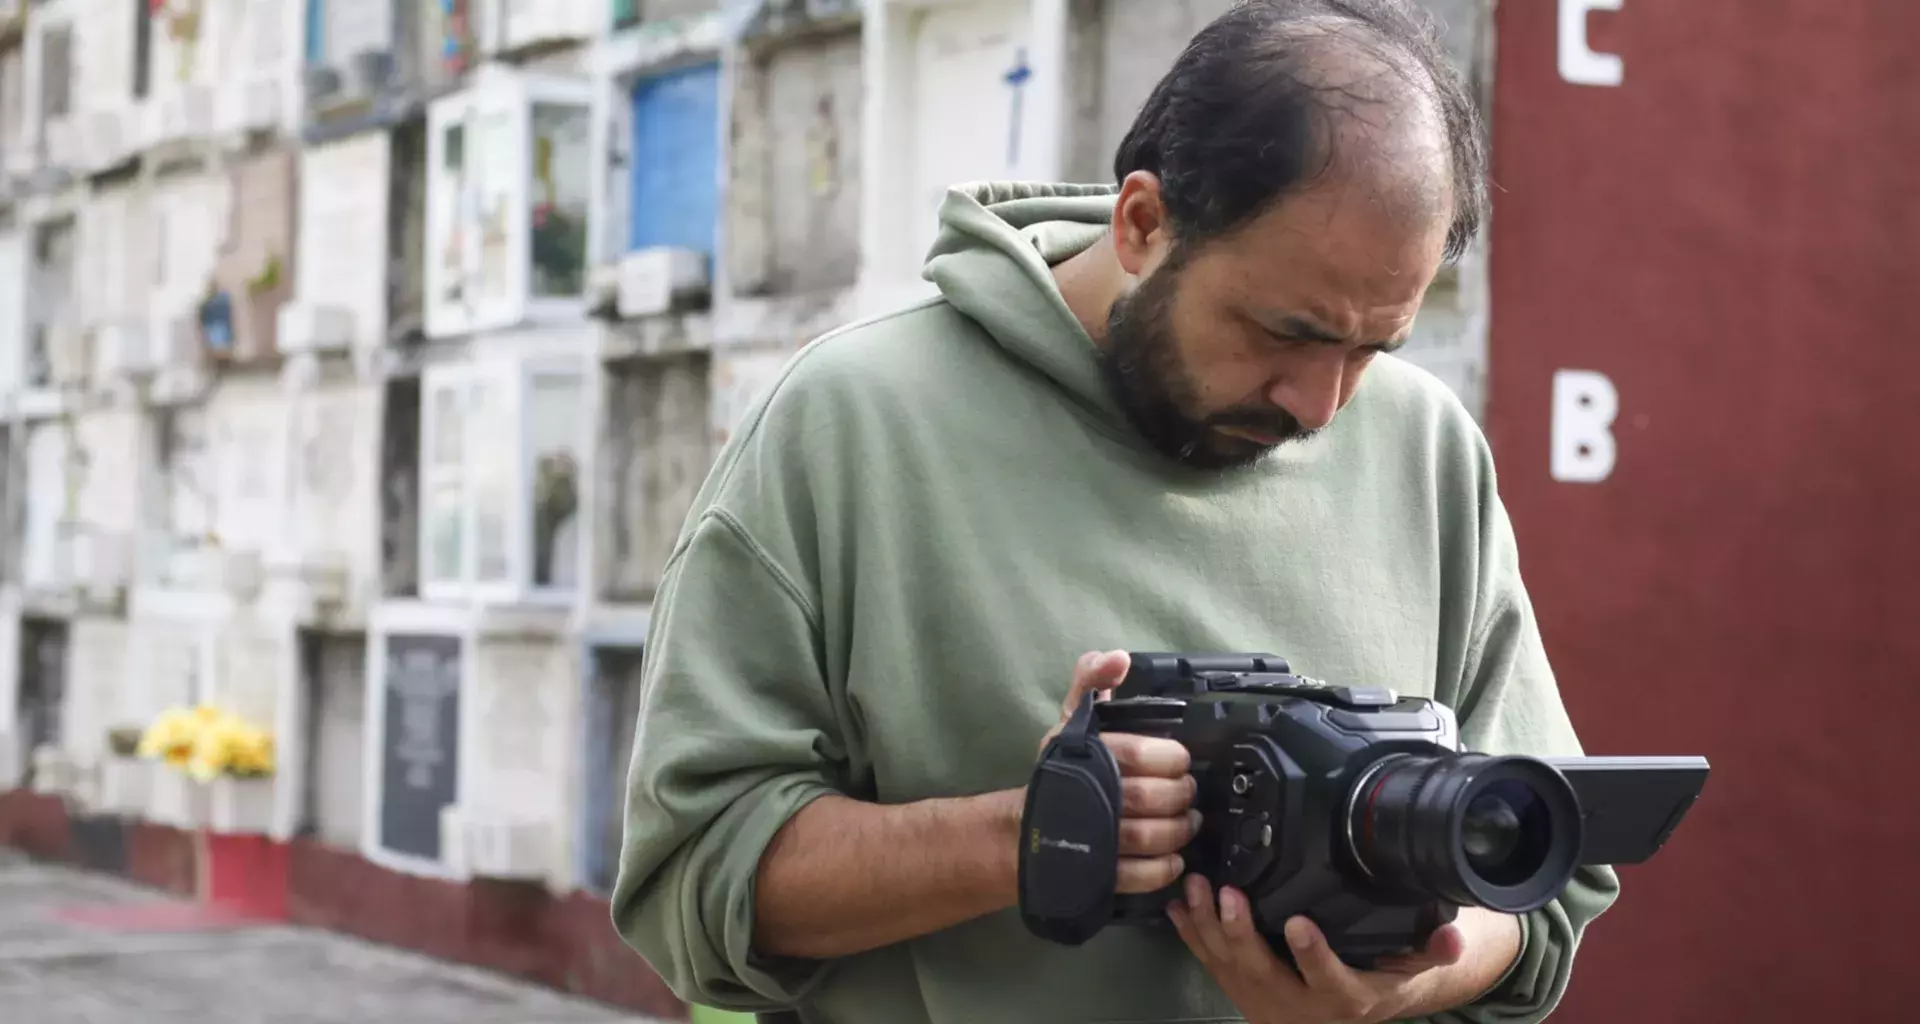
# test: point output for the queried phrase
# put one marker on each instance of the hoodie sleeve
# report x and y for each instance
(733, 739)
(1509, 703)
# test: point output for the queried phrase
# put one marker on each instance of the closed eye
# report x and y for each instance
(1291, 331)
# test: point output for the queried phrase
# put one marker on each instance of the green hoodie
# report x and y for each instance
(887, 576)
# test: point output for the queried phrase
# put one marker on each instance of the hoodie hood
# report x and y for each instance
(991, 259)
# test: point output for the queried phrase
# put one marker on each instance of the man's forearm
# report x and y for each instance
(845, 876)
(1493, 944)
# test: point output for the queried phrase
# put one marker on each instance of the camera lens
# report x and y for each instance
(1504, 833)
(1497, 832)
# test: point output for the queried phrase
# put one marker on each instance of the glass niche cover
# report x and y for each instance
(503, 448)
(508, 173)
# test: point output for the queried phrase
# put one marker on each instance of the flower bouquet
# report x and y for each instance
(208, 743)
(222, 767)
(226, 762)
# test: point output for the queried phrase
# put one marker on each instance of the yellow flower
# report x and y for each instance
(171, 737)
(253, 753)
(208, 742)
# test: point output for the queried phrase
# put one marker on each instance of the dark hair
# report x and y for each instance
(1241, 118)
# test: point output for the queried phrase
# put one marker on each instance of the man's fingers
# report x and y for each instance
(1147, 796)
(1153, 837)
(1095, 670)
(1251, 954)
(1148, 755)
(1110, 668)
(1203, 918)
(1444, 948)
(1077, 687)
(1332, 981)
(1140, 875)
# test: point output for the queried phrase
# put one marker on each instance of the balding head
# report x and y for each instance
(1276, 97)
(1287, 194)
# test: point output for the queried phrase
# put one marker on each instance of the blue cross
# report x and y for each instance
(1017, 79)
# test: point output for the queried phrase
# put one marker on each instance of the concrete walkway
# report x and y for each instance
(81, 948)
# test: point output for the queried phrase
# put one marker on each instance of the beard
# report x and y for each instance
(1157, 393)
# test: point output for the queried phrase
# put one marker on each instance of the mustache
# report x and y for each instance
(1268, 420)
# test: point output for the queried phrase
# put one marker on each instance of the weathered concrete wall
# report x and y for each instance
(794, 199)
(247, 427)
(342, 249)
(108, 688)
(660, 10)
(52, 263)
(180, 522)
(112, 448)
(333, 512)
(51, 499)
(12, 516)
(655, 453)
(350, 26)
(1134, 43)
(103, 688)
(251, 665)
(13, 301)
(13, 113)
(103, 54)
(173, 655)
(191, 211)
(525, 694)
(255, 267)
(116, 257)
(337, 726)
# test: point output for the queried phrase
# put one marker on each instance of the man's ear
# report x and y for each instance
(1141, 234)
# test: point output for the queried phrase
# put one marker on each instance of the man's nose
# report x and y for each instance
(1312, 389)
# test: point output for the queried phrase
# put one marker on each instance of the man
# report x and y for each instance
(1135, 418)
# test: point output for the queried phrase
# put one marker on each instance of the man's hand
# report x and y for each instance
(1157, 818)
(1460, 961)
(844, 876)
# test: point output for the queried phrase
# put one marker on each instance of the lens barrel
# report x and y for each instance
(1498, 832)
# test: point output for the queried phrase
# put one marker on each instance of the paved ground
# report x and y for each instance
(59, 965)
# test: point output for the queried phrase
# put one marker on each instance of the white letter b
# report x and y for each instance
(1584, 405)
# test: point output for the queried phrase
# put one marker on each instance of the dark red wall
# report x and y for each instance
(1733, 236)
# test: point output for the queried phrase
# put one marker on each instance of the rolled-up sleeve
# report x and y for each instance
(737, 732)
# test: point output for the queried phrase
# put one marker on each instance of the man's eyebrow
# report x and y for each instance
(1295, 326)
(1301, 327)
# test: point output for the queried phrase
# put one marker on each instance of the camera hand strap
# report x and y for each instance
(1070, 834)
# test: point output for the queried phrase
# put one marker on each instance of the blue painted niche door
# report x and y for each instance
(676, 157)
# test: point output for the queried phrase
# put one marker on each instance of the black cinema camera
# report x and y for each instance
(1349, 804)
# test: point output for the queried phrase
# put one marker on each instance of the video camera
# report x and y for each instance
(1352, 805)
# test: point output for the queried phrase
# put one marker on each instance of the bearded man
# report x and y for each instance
(1159, 415)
